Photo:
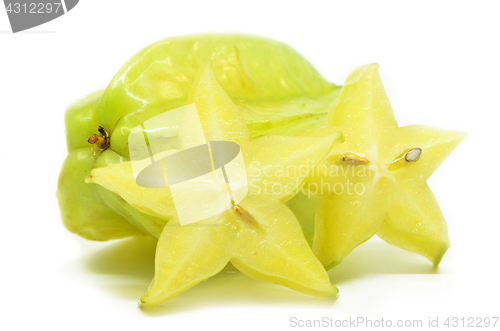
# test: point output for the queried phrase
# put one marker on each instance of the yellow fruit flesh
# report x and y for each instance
(274, 87)
(260, 236)
(274, 252)
(345, 221)
(395, 201)
(415, 222)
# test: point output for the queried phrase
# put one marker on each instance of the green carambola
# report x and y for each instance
(275, 88)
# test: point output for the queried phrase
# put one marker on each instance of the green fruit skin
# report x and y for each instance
(277, 90)
(304, 208)
(82, 209)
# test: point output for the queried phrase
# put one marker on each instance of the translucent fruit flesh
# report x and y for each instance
(260, 235)
(374, 183)
(273, 86)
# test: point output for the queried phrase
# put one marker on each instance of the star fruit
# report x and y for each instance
(375, 182)
(259, 235)
(275, 88)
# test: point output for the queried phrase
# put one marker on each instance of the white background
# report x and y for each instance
(440, 65)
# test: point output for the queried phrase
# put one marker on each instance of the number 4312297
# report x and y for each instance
(471, 322)
(34, 8)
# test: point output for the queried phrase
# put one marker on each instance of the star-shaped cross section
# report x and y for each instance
(375, 182)
(259, 235)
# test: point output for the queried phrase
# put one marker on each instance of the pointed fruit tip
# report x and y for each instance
(143, 302)
(89, 179)
(373, 66)
(332, 292)
(461, 135)
(365, 70)
(332, 265)
(336, 293)
(368, 71)
(340, 138)
(455, 139)
(204, 70)
(436, 260)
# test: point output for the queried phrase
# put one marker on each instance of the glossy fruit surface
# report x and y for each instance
(259, 235)
(273, 86)
(375, 182)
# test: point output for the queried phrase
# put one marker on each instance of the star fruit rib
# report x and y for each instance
(376, 181)
(260, 236)
(277, 90)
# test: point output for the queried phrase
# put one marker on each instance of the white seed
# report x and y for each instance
(413, 155)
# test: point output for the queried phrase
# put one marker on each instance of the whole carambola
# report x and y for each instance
(276, 89)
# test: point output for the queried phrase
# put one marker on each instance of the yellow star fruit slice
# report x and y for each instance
(272, 250)
(259, 235)
(375, 183)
